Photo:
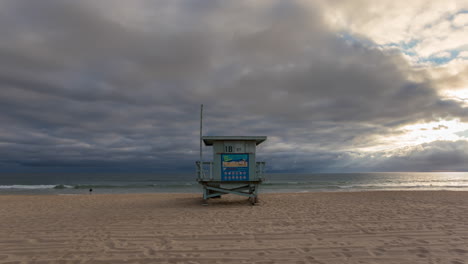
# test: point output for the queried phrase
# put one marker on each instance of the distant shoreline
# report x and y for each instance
(185, 183)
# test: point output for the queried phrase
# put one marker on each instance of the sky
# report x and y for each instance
(335, 85)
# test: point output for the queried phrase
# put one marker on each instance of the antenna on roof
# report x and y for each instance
(201, 135)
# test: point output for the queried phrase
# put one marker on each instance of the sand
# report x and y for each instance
(355, 227)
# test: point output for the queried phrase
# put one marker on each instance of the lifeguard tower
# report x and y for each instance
(234, 169)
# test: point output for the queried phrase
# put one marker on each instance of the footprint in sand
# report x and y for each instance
(151, 252)
(422, 241)
(379, 251)
(422, 252)
(459, 251)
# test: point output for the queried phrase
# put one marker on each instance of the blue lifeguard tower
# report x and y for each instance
(234, 169)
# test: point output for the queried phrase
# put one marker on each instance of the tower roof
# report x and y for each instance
(208, 140)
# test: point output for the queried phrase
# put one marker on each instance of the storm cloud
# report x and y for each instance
(118, 84)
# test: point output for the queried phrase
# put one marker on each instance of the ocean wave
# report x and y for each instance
(27, 187)
(133, 186)
(93, 186)
(402, 186)
(62, 186)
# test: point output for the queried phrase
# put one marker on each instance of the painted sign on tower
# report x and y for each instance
(234, 167)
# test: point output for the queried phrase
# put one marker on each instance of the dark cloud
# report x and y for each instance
(434, 156)
(118, 84)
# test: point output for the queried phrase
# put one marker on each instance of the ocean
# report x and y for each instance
(104, 183)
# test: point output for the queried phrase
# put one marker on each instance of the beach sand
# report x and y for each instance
(353, 227)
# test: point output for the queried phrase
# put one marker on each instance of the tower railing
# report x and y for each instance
(204, 170)
(260, 169)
